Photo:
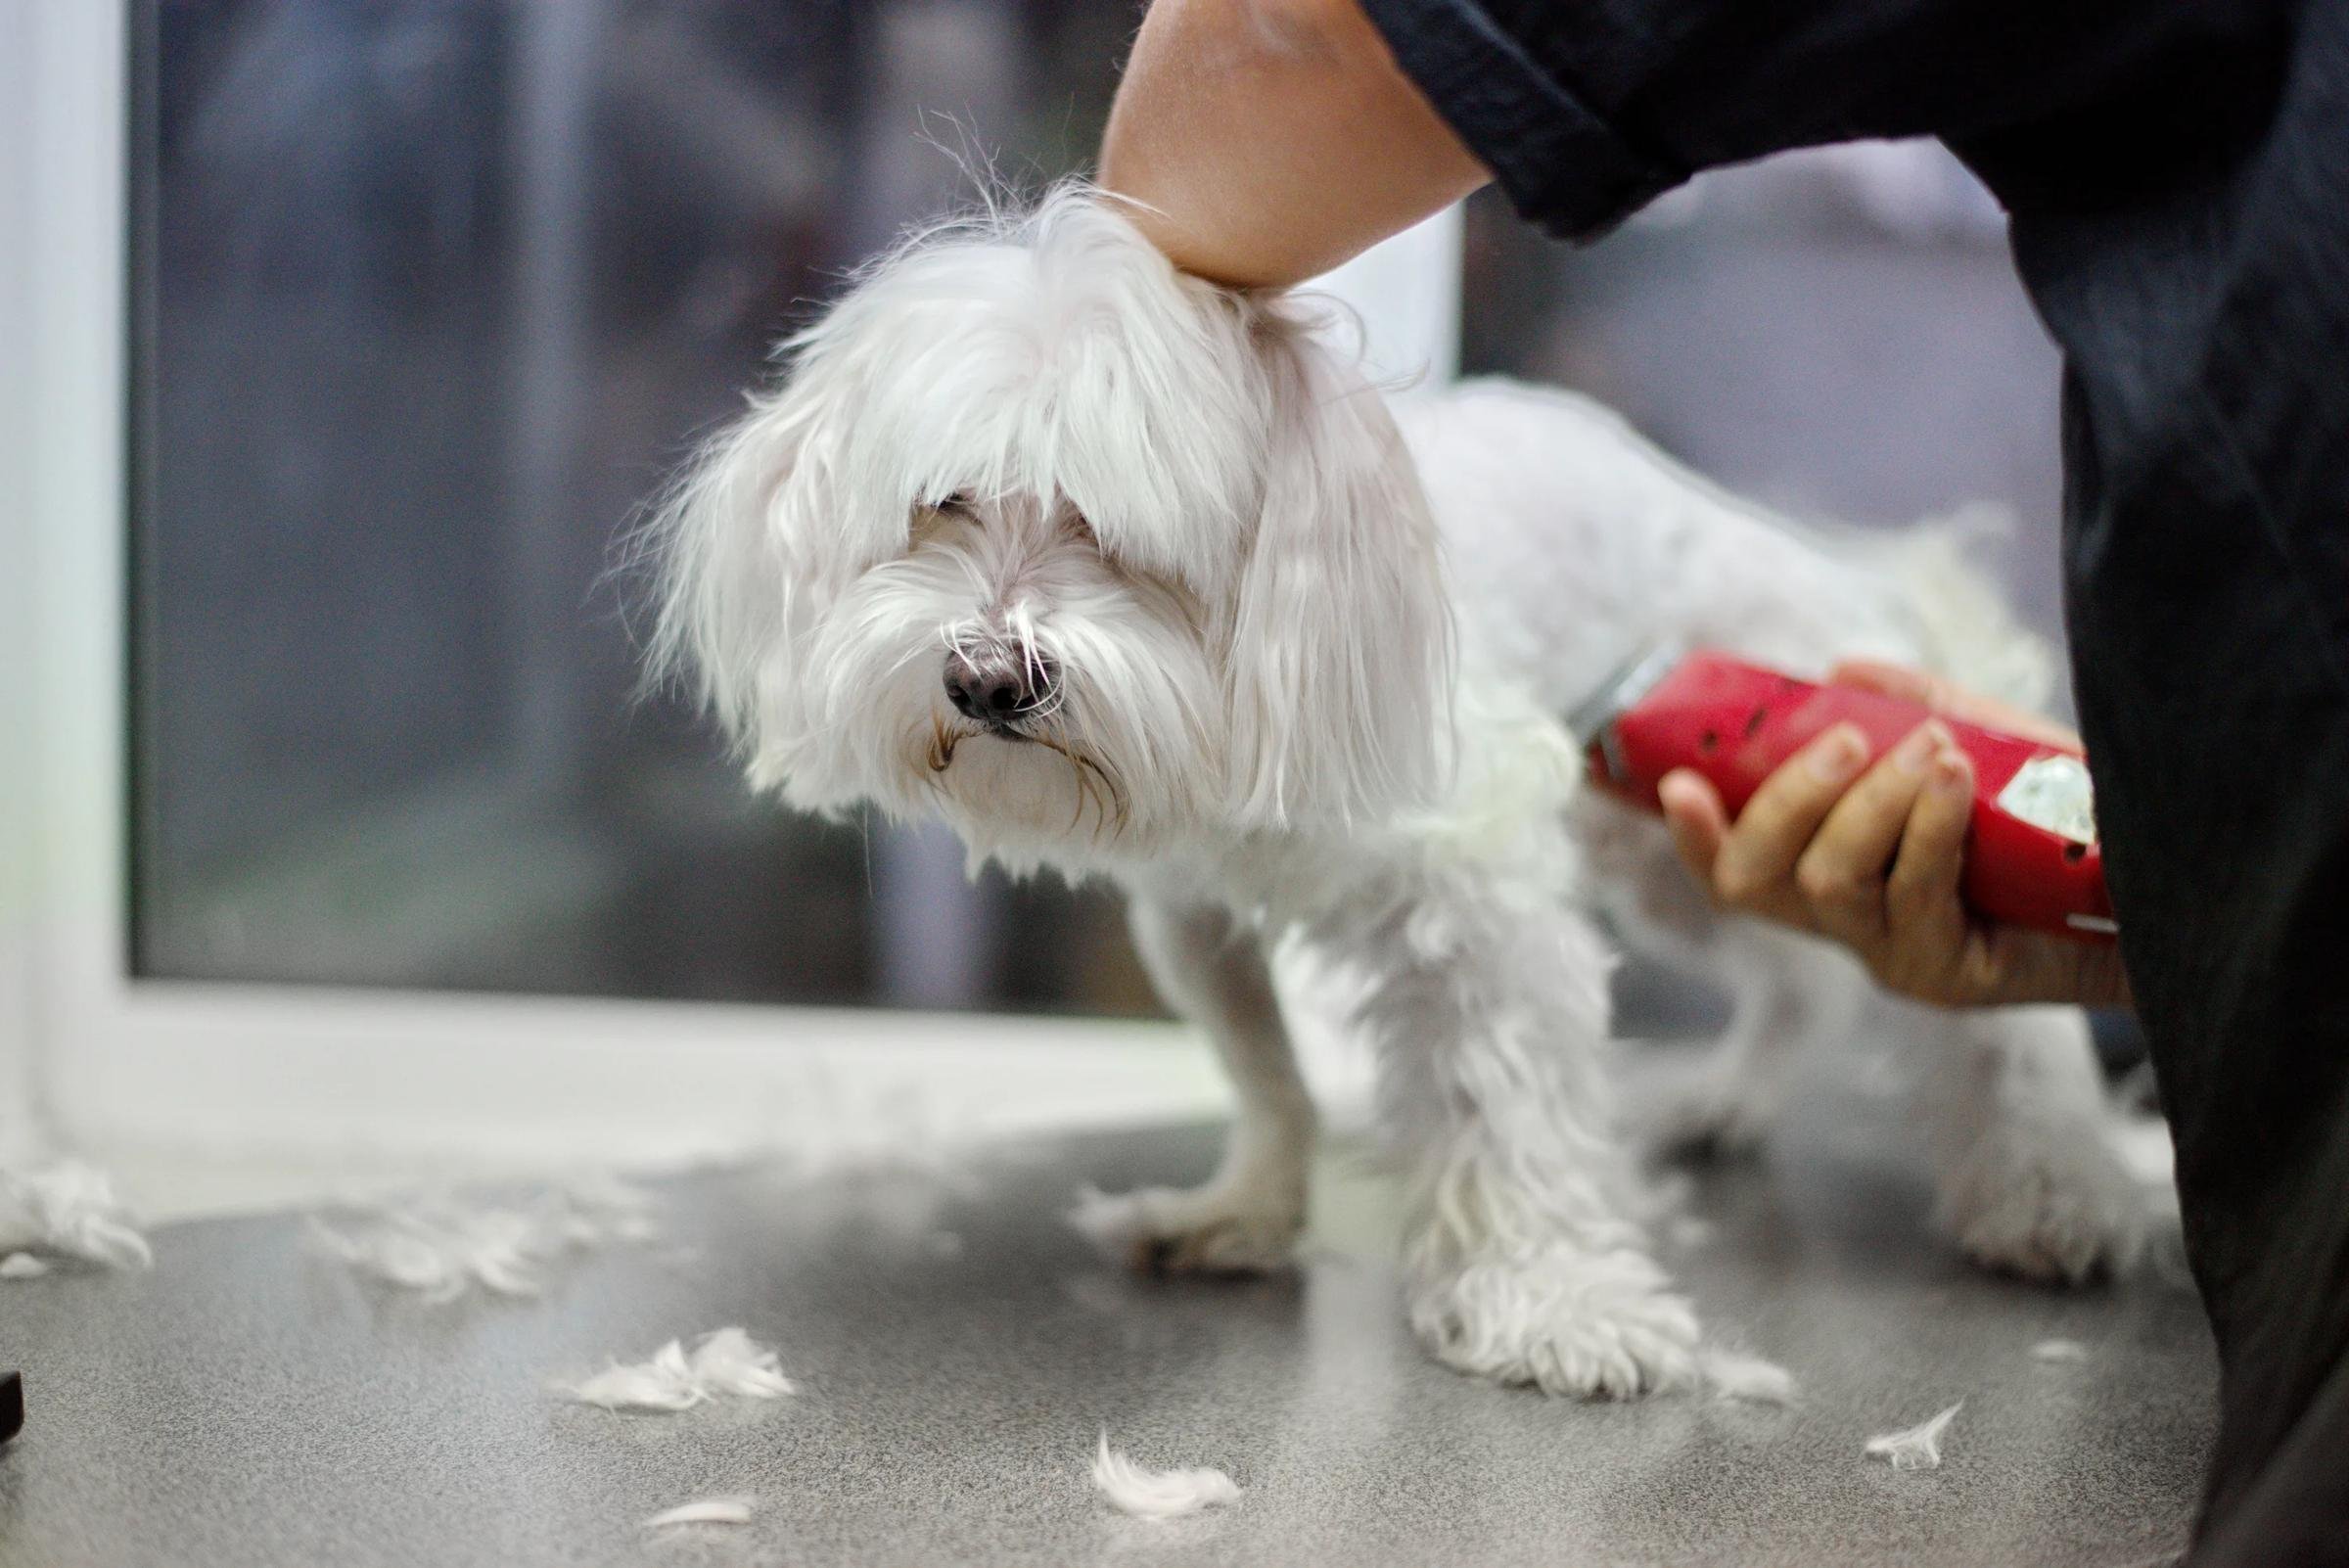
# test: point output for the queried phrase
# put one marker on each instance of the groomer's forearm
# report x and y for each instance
(1274, 139)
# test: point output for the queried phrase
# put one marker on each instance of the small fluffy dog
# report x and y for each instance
(1127, 574)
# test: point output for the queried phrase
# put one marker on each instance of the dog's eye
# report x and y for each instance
(1081, 526)
(957, 504)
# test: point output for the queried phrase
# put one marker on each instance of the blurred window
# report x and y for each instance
(1838, 332)
(430, 293)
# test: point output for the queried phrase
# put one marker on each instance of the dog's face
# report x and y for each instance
(1083, 554)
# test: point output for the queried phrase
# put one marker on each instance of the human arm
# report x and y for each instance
(1267, 141)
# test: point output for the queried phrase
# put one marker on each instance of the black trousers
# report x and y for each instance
(2207, 566)
(2177, 172)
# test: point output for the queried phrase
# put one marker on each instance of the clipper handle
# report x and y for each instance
(2031, 857)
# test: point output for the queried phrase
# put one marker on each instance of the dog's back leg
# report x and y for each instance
(1788, 995)
(2029, 1181)
(1247, 1216)
(1787, 992)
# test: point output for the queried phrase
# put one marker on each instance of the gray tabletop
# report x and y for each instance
(252, 1403)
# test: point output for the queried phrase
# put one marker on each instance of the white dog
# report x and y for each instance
(1125, 575)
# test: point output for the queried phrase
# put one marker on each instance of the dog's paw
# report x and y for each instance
(1223, 1228)
(2053, 1206)
(1709, 1122)
(1579, 1325)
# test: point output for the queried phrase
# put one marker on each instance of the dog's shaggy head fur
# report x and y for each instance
(1087, 556)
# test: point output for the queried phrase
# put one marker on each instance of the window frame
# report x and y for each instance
(96, 1056)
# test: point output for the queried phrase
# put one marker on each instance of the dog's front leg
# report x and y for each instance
(1522, 1260)
(1246, 1219)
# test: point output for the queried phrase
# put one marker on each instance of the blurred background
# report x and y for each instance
(430, 293)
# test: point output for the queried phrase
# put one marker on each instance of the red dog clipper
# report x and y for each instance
(2031, 857)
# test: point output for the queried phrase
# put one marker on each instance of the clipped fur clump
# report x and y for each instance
(1736, 1376)
(442, 1247)
(725, 1364)
(1916, 1448)
(69, 1207)
(1111, 1226)
(1148, 1493)
(707, 1510)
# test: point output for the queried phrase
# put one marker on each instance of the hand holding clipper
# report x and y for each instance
(2032, 860)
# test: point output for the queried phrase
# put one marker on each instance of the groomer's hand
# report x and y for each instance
(1870, 857)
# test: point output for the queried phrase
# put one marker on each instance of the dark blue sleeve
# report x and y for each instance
(1562, 162)
(1586, 110)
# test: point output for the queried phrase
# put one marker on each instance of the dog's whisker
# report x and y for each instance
(1084, 793)
(1111, 804)
(943, 741)
(1087, 772)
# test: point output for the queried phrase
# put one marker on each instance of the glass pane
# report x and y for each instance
(430, 295)
(1838, 332)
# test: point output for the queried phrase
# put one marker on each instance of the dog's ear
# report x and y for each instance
(731, 549)
(1341, 640)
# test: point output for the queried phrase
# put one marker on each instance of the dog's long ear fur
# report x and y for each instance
(1342, 647)
(730, 544)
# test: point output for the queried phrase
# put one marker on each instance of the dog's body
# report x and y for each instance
(1572, 539)
(1124, 575)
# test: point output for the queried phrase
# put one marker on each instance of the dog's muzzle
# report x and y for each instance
(1001, 687)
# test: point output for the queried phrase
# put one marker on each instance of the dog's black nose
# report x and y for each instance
(998, 687)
